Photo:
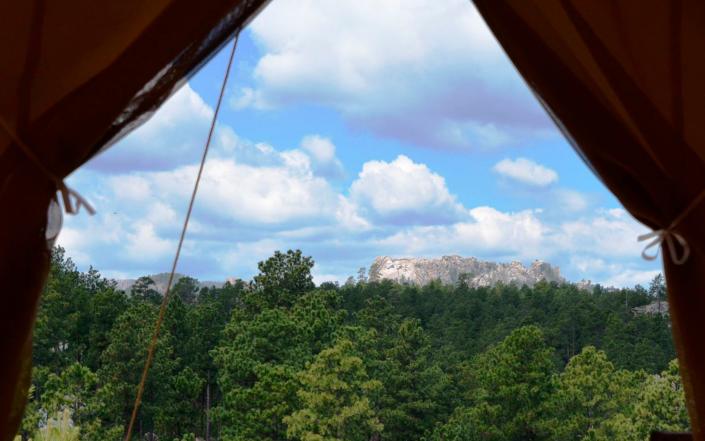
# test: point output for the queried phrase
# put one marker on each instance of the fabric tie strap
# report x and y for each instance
(67, 194)
(668, 235)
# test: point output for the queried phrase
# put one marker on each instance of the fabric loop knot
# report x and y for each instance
(668, 236)
(68, 195)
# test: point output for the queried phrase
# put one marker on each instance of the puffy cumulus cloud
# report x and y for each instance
(487, 233)
(403, 192)
(173, 136)
(526, 171)
(315, 153)
(401, 208)
(255, 198)
(607, 233)
(322, 153)
(248, 195)
(230, 146)
(118, 242)
(244, 213)
(348, 217)
(423, 71)
(145, 245)
(266, 195)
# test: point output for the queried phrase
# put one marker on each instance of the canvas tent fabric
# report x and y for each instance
(624, 81)
(77, 75)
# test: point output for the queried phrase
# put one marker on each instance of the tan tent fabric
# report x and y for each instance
(75, 76)
(660, 436)
(625, 80)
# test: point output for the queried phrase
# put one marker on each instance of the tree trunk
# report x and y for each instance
(208, 410)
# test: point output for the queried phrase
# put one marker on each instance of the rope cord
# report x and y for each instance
(61, 187)
(165, 300)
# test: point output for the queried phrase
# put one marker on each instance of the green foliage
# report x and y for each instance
(144, 288)
(258, 360)
(416, 391)
(514, 377)
(471, 424)
(278, 358)
(337, 398)
(282, 279)
(661, 404)
(186, 289)
(588, 392)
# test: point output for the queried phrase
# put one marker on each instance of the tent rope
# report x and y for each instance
(165, 300)
(668, 234)
(66, 192)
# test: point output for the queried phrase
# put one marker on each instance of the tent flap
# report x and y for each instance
(77, 76)
(623, 80)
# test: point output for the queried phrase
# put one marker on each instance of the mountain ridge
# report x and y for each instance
(161, 280)
(421, 271)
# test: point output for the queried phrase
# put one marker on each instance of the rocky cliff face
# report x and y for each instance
(448, 269)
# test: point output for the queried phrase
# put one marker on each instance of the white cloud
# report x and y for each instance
(250, 195)
(423, 71)
(630, 277)
(173, 136)
(322, 153)
(130, 188)
(487, 233)
(256, 198)
(248, 97)
(526, 171)
(570, 200)
(608, 233)
(403, 192)
(348, 217)
(245, 255)
(614, 273)
(145, 245)
(118, 242)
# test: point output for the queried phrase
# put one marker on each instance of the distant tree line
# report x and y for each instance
(278, 358)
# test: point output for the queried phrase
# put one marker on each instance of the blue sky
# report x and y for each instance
(350, 130)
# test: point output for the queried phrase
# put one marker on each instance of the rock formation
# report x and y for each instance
(449, 269)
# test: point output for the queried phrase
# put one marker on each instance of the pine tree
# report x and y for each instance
(337, 398)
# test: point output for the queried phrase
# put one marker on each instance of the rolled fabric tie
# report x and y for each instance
(668, 234)
(66, 193)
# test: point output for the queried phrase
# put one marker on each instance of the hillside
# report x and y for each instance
(160, 281)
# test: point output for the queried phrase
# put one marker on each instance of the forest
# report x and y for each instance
(278, 358)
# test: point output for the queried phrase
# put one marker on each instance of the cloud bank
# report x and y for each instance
(256, 198)
(425, 72)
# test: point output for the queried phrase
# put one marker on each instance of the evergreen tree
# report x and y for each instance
(588, 392)
(279, 357)
(282, 279)
(513, 381)
(337, 398)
